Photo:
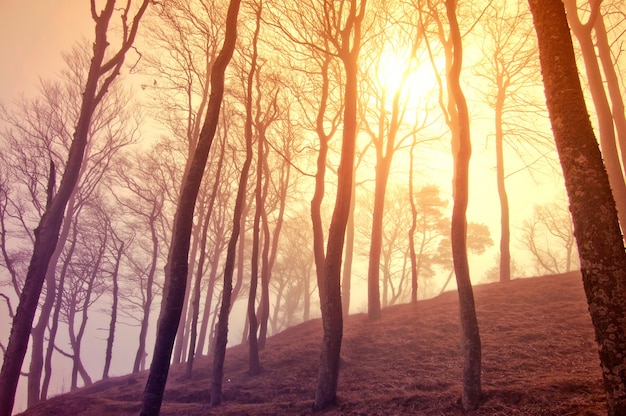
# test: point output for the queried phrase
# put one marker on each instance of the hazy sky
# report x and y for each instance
(33, 34)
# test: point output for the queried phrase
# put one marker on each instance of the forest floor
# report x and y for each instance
(538, 349)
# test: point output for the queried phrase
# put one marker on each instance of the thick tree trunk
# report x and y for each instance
(471, 345)
(178, 258)
(600, 244)
(38, 333)
(195, 303)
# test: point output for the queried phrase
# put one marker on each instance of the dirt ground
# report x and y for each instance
(538, 349)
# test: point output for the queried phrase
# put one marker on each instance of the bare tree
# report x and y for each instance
(345, 31)
(509, 55)
(469, 325)
(144, 183)
(384, 126)
(195, 302)
(178, 260)
(102, 72)
(549, 236)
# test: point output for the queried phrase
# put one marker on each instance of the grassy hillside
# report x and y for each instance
(539, 358)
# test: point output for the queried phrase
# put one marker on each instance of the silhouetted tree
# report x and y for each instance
(509, 55)
(387, 106)
(254, 365)
(102, 72)
(344, 29)
(178, 260)
(549, 236)
(596, 225)
(458, 235)
(195, 301)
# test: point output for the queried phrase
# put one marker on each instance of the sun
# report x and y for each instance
(413, 77)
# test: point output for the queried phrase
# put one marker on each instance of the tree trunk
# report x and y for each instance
(269, 262)
(221, 331)
(38, 333)
(376, 238)
(505, 229)
(195, 303)
(55, 319)
(182, 334)
(330, 283)
(202, 337)
(348, 259)
(469, 325)
(141, 353)
(254, 365)
(115, 293)
(264, 304)
(600, 244)
(176, 271)
(412, 254)
(241, 256)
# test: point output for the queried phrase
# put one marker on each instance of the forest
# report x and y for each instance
(207, 174)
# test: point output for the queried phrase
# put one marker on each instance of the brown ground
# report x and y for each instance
(539, 358)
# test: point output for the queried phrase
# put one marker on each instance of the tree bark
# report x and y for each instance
(178, 266)
(596, 225)
(471, 345)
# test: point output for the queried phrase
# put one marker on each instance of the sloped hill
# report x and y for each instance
(539, 358)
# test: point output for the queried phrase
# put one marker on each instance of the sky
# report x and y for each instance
(33, 35)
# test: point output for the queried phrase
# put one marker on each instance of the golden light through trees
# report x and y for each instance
(296, 109)
(397, 70)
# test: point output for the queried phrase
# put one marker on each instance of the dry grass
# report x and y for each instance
(539, 358)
